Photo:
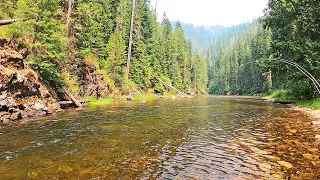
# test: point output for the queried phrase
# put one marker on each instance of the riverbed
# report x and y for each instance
(197, 138)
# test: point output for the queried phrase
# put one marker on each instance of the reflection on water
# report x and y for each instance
(199, 138)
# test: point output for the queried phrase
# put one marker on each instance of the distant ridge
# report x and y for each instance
(202, 37)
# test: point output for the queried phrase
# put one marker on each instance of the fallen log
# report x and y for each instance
(284, 102)
(69, 103)
(76, 102)
(138, 92)
(10, 21)
(181, 93)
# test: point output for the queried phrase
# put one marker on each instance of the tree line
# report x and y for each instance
(62, 36)
(288, 30)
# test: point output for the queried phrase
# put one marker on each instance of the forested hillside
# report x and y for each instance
(232, 61)
(202, 37)
(289, 30)
(82, 45)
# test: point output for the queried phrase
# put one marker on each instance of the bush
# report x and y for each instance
(49, 74)
(313, 104)
(71, 82)
(281, 95)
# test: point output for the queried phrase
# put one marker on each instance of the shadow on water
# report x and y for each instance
(199, 138)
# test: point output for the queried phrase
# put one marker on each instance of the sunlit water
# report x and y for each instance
(198, 138)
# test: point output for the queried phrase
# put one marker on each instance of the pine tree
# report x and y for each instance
(115, 64)
(140, 71)
(42, 30)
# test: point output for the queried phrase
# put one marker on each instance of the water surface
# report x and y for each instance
(198, 138)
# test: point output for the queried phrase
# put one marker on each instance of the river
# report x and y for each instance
(197, 138)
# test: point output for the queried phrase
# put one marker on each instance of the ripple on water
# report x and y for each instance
(199, 138)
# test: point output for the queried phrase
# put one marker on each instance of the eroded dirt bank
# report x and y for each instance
(22, 93)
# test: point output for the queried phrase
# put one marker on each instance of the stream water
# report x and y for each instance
(198, 138)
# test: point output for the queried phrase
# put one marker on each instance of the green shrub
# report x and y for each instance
(313, 104)
(99, 102)
(49, 74)
(282, 95)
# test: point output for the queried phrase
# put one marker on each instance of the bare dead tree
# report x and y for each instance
(131, 36)
(10, 21)
(70, 6)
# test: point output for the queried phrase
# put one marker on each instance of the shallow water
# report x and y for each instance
(198, 138)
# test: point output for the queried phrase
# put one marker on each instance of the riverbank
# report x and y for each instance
(313, 114)
(311, 108)
(22, 93)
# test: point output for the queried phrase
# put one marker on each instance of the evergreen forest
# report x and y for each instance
(64, 37)
(241, 59)
(67, 41)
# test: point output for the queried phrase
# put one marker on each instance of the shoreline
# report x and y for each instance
(71, 107)
(311, 113)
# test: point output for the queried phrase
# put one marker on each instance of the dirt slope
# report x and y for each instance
(22, 94)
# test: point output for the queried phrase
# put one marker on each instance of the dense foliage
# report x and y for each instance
(289, 30)
(232, 60)
(295, 36)
(67, 34)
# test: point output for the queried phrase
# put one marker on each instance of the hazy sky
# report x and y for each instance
(211, 12)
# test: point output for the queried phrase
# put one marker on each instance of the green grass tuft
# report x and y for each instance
(281, 95)
(312, 104)
(99, 102)
(137, 97)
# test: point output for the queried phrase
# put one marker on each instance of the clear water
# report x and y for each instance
(198, 138)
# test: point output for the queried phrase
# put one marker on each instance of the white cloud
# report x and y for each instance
(211, 12)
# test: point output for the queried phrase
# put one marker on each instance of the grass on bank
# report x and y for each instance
(107, 101)
(99, 102)
(312, 104)
(281, 95)
(151, 97)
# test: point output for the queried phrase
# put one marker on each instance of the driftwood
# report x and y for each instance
(181, 93)
(76, 102)
(10, 21)
(137, 92)
(284, 102)
(69, 103)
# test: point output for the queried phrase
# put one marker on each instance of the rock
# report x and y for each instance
(277, 176)
(270, 100)
(5, 121)
(21, 107)
(129, 98)
(16, 116)
(317, 137)
(306, 176)
(39, 106)
(9, 158)
(293, 131)
(20, 78)
(308, 156)
(265, 167)
(27, 114)
(285, 164)
(316, 123)
(313, 150)
(3, 97)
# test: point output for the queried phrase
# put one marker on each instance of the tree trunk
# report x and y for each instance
(131, 36)
(155, 9)
(270, 79)
(70, 5)
(10, 21)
